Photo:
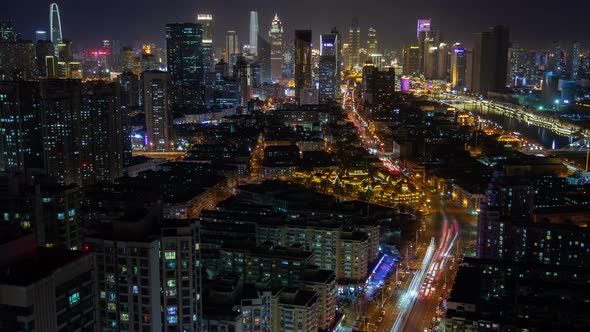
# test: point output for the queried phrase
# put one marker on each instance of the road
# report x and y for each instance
(410, 308)
(457, 230)
(429, 276)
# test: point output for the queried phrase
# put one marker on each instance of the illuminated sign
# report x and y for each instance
(459, 50)
(329, 44)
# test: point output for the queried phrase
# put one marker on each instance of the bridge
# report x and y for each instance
(168, 155)
(541, 120)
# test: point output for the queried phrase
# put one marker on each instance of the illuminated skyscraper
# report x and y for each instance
(206, 21)
(7, 32)
(158, 114)
(373, 53)
(253, 33)
(458, 67)
(55, 26)
(423, 26)
(574, 60)
(329, 69)
(302, 62)
(354, 40)
(276, 49)
(346, 56)
(185, 65)
(40, 35)
(232, 49)
(372, 42)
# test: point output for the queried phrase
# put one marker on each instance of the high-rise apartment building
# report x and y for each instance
(145, 264)
(158, 112)
(20, 129)
(61, 104)
(185, 65)
(232, 49)
(102, 137)
(296, 310)
(46, 289)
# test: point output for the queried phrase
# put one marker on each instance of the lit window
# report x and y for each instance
(74, 298)
(170, 255)
(172, 310)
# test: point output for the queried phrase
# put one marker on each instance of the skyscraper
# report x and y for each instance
(185, 65)
(302, 62)
(40, 35)
(232, 48)
(354, 40)
(373, 53)
(575, 60)
(458, 67)
(7, 32)
(55, 26)
(423, 26)
(158, 114)
(264, 59)
(428, 42)
(276, 49)
(102, 137)
(61, 107)
(372, 42)
(253, 49)
(21, 143)
(411, 60)
(206, 21)
(329, 68)
(490, 60)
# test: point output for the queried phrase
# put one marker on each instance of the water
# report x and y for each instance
(540, 135)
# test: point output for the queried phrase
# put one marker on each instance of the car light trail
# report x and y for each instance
(407, 300)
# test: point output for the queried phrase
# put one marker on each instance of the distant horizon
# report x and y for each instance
(87, 24)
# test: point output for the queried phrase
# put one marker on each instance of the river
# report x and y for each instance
(540, 135)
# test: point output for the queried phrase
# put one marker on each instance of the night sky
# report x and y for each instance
(86, 22)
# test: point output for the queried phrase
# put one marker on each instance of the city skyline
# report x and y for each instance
(530, 25)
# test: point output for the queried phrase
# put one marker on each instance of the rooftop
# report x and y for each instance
(39, 265)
